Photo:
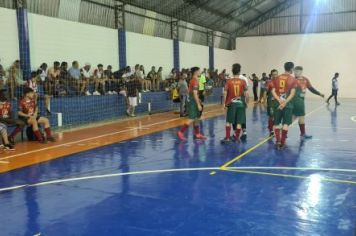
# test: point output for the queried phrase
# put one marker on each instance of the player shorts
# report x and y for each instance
(192, 110)
(11, 121)
(270, 110)
(133, 101)
(25, 119)
(236, 113)
(298, 107)
(285, 116)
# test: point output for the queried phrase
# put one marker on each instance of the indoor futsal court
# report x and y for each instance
(177, 117)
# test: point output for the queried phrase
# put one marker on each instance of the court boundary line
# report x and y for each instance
(92, 138)
(246, 169)
(240, 156)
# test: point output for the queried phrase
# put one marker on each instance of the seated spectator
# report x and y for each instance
(152, 76)
(2, 77)
(7, 144)
(110, 80)
(86, 76)
(7, 118)
(133, 88)
(28, 113)
(75, 77)
(99, 80)
(147, 82)
(15, 79)
(32, 83)
(42, 71)
(62, 87)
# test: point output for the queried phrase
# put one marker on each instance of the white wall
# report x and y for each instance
(193, 55)
(321, 55)
(224, 59)
(149, 51)
(54, 39)
(9, 43)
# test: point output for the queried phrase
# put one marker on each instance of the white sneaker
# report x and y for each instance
(110, 93)
(88, 93)
(96, 93)
(114, 92)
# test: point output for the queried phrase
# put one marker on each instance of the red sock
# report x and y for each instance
(302, 129)
(15, 132)
(277, 133)
(184, 128)
(48, 132)
(270, 124)
(237, 133)
(196, 129)
(38, 135)
(284, 136)
(228, 131)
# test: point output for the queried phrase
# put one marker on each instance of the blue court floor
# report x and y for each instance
(155, 185)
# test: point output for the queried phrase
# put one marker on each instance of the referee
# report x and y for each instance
(335, 89)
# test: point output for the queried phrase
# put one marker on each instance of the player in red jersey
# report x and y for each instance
(236, 97)
(299, 104)
(7, 118)
(283, 91)
(28, 112)
(194, 107)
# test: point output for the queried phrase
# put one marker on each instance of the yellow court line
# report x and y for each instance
(223, 167)
(290, 176)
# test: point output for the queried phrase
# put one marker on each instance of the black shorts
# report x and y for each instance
(11, 121)
(334, 92)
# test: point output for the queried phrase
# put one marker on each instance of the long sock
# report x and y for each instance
(15, 132)
(228, 132)
(48, 132)
(38, 135)
(237, 133)
(277, 133)
(270, 124)
(184, 128)
(302, 129)
(196, 129)
(284, 136)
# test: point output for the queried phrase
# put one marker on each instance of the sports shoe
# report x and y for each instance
(114, 92)
(282, 146)
(9, 147)
(304, 137)
(51, 139)
(181, 136)
(243, 136)
(199, 137)
(271, 133)
(226, 141)
(338, 104)
(88, 93)
(96, 93)
(235, 139)
(277, 145)
(11, 140)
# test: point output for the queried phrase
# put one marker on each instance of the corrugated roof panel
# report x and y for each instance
(96, 15)
(330, 23)
(44, 7)
(7, 4)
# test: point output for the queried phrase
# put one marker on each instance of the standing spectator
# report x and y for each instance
(75, 77)
(263, 88)
(183, 93)
(15, 79)
(2, 77)
(152, 76)
(86, 76)
(335, 89)
(50, 84)
(202, 82)
(255, 82)
(222, 78)
(133, 88)
(28, 112)
(7, 118)
(42, 71)
(159, 78)
(99, 80)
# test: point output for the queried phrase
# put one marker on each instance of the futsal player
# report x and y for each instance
(270, 108)
(194, 107)
(299, 99)
(28, 112)
(235, 97)
(283, 91)
(6, 144)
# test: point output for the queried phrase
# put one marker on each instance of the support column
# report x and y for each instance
(120, 25)
(210, 40)
(175, 38)
(24, 37)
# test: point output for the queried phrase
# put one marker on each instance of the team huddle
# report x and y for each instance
(285, 99)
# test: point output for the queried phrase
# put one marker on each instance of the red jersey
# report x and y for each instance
(193, 85)
(235, 88)
(5, 109)
(27, 106)
(303, 83)
(269, 85)
(283, 84)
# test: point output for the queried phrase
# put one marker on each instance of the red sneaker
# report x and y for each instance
(181, 136)
(200, 137)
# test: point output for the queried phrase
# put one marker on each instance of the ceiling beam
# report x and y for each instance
(283, 5)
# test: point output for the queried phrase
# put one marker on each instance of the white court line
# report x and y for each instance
(168, 171)
(91, 138)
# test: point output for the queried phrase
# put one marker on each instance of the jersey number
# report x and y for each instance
(282, 85)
